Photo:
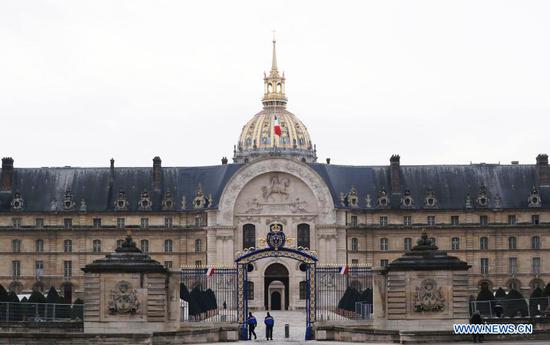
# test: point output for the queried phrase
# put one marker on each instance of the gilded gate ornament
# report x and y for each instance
(429, 297)
(123, 299)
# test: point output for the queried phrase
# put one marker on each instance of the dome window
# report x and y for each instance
(121, 203)
(17, 202)
(483, 197)
(430, 201)
(269, 87)
(383, 199)
(279, 89)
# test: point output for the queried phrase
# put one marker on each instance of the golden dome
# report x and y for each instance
(258, 136)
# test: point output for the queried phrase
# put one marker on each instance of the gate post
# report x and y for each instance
(311, 300)
(242, 300)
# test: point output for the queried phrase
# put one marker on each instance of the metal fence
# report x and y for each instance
(41, 312)
(343, 296)
(208, 298)
(509, 308)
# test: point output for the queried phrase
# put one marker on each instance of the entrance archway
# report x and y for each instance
(276, 272)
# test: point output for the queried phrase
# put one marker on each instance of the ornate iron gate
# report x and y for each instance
(275, 248)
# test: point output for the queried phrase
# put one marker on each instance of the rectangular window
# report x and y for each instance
(407, 220)
(512, 265)
(384, 262)
(303, 290)
(354, 262)
(168, 264)
(16, 269)
(483, 220)
(39, 222)
(431, 220)
(384, 220)
(353, 221)
(198, 263)
(39, 266)
(198, 220)
(16, 246)
(120, 223)
(535, 266)
(144, 246)
(97, 223)
(407, 244)
(168, 222)
(512, 219)
(455, 243)
(67, 223)
(67, 269)
(16, 222)
(144, 222)
(535, 219)
(454, 220)
(250, 290)
(484, 266)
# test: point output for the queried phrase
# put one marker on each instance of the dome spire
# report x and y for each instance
(274, 83)
(274, 59)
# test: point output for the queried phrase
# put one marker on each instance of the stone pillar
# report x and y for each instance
(423, 290)
(127, 290)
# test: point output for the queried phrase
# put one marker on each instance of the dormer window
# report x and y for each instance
(121, 203)
(534, 198)
(17, 202)
(68, 203)
(407, 201)
(383, 199)
(483, 198)
(430, 200)
(145, 203)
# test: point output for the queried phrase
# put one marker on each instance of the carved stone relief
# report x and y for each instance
(428, 297)
(124, 299)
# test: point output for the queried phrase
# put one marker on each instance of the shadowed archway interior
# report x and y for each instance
(276, 272)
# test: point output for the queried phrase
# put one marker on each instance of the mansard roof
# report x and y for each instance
(451, 184)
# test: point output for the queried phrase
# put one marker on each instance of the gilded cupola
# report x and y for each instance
(260, 135)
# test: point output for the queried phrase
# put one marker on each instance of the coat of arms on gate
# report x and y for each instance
(276, 237)
(429, 297)
(124, 299)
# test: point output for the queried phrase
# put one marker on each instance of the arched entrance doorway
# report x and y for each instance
(276, 291)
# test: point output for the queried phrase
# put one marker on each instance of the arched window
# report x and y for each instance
(144, 246)
(303, 289)
(16, 246)
(407, 243)
(384, 244)
(279, 88)
(250, 290)
(512, 242)
(455, 243)
(97, 246)
(303, 235)
(198, 245)
(39, 245)
(168, 246)
(354, 244)
(249, 236)
(119, 243)
(535, 242)
(269, 87)
(483, 243)
(68, 246)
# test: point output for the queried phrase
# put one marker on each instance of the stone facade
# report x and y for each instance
(54, 221)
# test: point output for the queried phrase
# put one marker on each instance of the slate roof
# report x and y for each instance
(451, 184)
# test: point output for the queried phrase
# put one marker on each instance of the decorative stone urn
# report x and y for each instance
(127, 291)
(423, 290)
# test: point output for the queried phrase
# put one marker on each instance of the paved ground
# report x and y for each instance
(297, 322)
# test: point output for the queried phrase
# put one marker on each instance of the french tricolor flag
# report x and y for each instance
(344, 269)
(210, 272)
(277, 126)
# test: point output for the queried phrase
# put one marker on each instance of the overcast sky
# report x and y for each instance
(435, 81)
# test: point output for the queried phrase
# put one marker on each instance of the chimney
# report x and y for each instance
(543, 175)
(6, 179)
(395, 174)
(157, 172)
(112, 163)
(328, 160)
(224, 160)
